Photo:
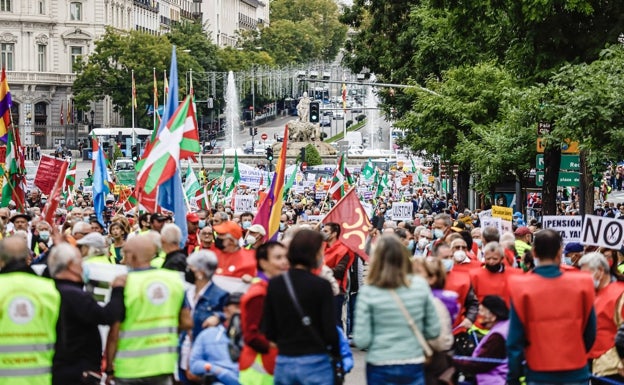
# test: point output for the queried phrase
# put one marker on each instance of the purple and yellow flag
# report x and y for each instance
(5, 107)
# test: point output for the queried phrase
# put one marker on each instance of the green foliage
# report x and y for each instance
(301, 31)
(348, 123)
(232, 59)
(313, 158)
(360, 117)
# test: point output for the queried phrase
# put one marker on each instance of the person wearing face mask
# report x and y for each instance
(43, 243)
(255, 237)
(523, 239)
(192, 240)
(458, 282)
(492, 278)
(272, 262)
(423, 246)
(246, 219)
(462, 262)
(206, 239)
(78, 348)
(94, 249)
(609, 313)
(441, 227)
(206, 301)
(234, 261)
(572, 253)
(170, 237)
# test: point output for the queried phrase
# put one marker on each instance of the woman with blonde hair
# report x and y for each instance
(393, 308)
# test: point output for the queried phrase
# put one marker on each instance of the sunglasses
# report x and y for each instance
(460, 248)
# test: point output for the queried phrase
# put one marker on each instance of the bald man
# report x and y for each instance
(152, 297)
(27, 346)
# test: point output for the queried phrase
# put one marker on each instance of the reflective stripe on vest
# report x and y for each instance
(26, 348)
(25, 372)
(148, 336)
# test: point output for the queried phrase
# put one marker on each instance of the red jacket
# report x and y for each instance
(251, 306)
(236, 264)
(554, 313)
(466, 267)
(458, 282)
(333, 256)
(605, 305)
(485, 283)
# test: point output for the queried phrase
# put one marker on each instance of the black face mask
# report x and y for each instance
(494, 268)
(218, 242)
(189, 276)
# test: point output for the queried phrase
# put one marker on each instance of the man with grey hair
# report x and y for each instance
(28, 319)
(80, 229)
(79, 345)
(441, 227)
(94, 248)
(492, 278)
(170, 237)
(608, 305)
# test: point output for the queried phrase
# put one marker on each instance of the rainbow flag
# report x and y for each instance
(5, 107)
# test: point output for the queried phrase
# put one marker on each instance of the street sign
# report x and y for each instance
(567, 147)
(568, 162)
(264, 136)
(543, 128)
(566, 179)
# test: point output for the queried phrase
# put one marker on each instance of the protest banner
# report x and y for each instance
(602, 231)
(315, 218)
(569, 227)
(244, 203)
(320, 195)
(491, 222)
(501, 212)
(47, 172)
(485, 214)
(402, 211)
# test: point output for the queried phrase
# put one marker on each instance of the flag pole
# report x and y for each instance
(155, 97)
(133, 102)
(188, 205)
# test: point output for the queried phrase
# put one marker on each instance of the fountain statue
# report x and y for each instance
(232, 110)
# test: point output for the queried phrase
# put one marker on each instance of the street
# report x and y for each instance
(358, 374)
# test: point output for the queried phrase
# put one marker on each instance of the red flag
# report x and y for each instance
(62, 114)
(354, 223)
(53, 201)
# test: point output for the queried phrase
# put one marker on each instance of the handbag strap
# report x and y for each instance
(421, 340)
(305, 320)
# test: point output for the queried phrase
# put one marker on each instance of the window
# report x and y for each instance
(41, 57)
(42, 7)
(5, 5)
(75, 11)
(76, 53)
(6, 55)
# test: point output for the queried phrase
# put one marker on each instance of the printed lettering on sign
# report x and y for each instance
(402, 211)
(243, 203)
(501, 212)
(602, 231)
(569, 227)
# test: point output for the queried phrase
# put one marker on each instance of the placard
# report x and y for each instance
(501, 212)
(315, 218)
(491, 222)
(244, 203)
(47, 172)
(485, 214)
(602, 231)
(402, 211)
(569, 227)
(320, 195)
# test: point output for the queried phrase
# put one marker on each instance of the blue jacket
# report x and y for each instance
(211, 346)
(210, 303)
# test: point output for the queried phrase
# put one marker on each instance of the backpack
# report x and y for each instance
(234, 333)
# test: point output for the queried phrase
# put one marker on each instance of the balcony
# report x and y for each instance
(45, 78)
(150, 5)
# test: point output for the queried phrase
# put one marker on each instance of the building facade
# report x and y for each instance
(225, 18)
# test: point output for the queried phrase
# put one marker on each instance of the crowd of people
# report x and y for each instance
(440, 300)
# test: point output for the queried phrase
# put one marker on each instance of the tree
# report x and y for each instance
(107, 71)
(313, 158)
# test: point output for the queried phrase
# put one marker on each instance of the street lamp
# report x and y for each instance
(92, 121)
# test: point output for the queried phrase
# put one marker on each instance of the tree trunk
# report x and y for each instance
(552, 160)
(463, 185)
(586, 193)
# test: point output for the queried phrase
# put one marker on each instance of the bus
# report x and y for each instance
(122, 136)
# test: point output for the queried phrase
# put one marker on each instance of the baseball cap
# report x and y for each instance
(93, 240)
(229, 227)
(573, 247)
(192, 217)
(522, 230)
(157, 217)
(257, 229)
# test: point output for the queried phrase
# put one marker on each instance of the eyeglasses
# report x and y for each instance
(460, 247)
(4, 218)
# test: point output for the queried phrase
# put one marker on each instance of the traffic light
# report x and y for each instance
(269, 154)
(251, 131)
(255, 131)
(315, 113)
(436, 169)
(302, 154)
(135, 153)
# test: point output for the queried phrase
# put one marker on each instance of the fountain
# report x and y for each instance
(232, 109)
(373, 112)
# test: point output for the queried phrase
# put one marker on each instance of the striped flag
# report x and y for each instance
(14, 172)
(341, 175)
(5, 106)
(62, 114)
(191, 184)
(179, 139)
(70, 177)
(134, 93)
(344, 96)
(68, 112)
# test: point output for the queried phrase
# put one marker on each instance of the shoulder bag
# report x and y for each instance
(339, 375)
(421, 340)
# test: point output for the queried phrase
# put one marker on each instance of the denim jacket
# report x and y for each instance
(211, 302)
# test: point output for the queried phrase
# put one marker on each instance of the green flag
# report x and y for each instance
(382, 183)
(191, 184)
(290, 182)
(235, 175)
(368, 170)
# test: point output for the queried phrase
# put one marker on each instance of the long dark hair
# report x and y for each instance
(304, 247)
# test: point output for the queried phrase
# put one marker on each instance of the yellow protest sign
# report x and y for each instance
(501, 212)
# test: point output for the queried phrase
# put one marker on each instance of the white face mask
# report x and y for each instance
(422, 243)
(459, 256)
